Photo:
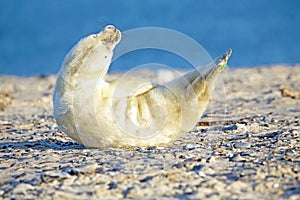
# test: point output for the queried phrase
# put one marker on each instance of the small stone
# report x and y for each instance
(168, 156)
(188, 190)
(202, 174)
(197, 167)
(242, 145)
(241, 126)
(178, 165)
(280, 192)
(151, 147)
(7, 123)
(275, 185)
(67, 195)
(239, 137)
(269, 135)
(71, 171)
(12, 131)
(262, 162)
(147, 178)
(265, 125)
(112, 185)
(171, 176)
(208, 170)
(219, 150)
(260, 175)
(48, 177)
(211, 159)
(237, 157)
(191, 146)
(87, 168)
(22, 188)
(236, 185)
(51, 126)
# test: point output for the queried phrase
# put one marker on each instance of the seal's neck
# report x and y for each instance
(86, 64)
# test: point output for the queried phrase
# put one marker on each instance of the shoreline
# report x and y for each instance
(118, 72)
(246, 146)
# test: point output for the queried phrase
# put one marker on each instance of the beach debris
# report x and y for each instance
(288, 92)
(5, 100)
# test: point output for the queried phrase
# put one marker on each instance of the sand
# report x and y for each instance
(246, 146)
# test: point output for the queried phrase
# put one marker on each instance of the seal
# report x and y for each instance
(129, 111)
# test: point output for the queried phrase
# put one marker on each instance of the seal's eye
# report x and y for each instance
(94, 36)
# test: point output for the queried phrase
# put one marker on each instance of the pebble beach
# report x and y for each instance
(246, 146)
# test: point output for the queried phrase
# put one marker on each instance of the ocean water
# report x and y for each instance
(36, 35)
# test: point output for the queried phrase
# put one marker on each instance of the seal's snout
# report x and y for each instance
(111, 34)
(110, 28)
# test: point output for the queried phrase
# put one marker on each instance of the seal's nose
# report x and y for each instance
(110, 28)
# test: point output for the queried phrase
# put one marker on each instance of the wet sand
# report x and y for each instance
(246, 146)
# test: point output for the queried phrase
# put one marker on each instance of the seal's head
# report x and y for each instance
(109, 37)
(92, 53)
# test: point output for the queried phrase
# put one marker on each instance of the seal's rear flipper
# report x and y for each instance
(196, 81)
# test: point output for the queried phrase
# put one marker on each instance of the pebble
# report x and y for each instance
(230, 127)
(87, 168)
(22, 188)
(6, 123)
(188, 191)
(242, 145)
(112, 185)
(270, 135)
(168, 156)
(197, 167)
(178, 165)
(191, 146)
(211, 159)
(239, 137)
(202, 174)
(208, 170)
(52, 176)
(241, 127)
(237, 157)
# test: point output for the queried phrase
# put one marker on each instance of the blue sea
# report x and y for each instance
(36, 35)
